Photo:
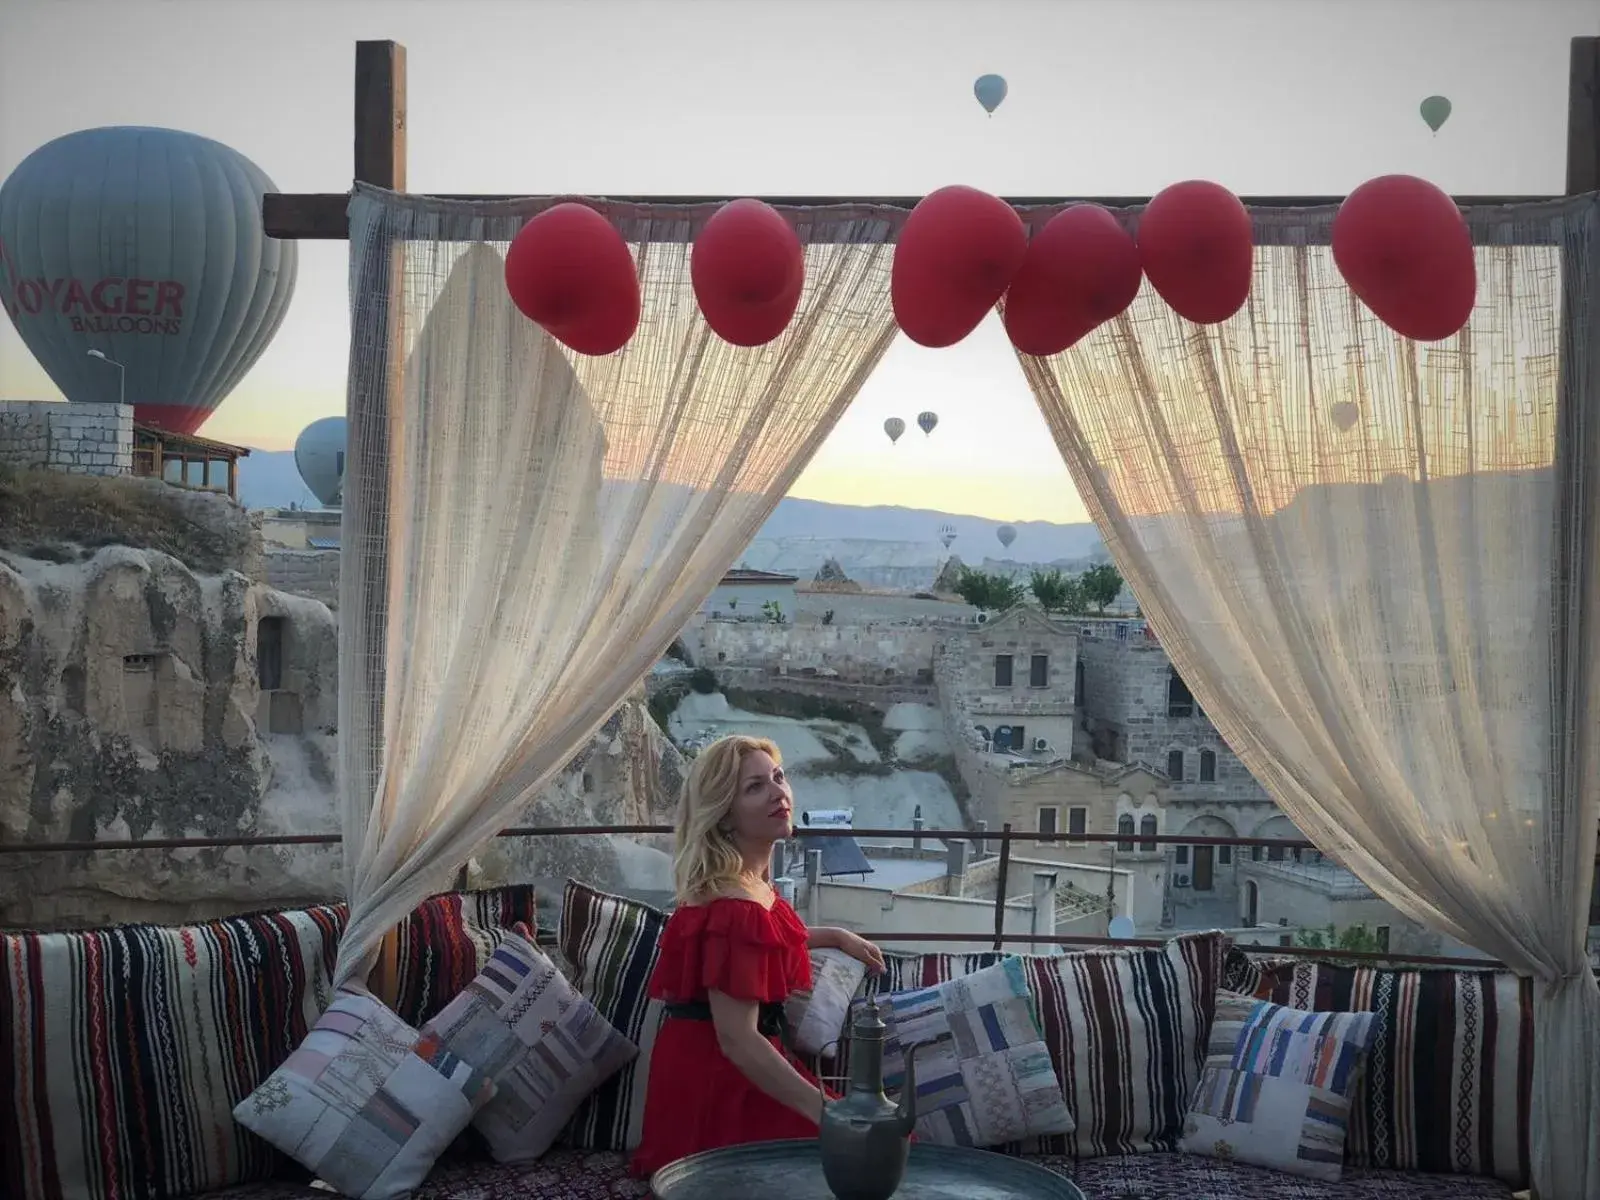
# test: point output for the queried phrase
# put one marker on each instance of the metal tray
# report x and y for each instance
(793, 1170)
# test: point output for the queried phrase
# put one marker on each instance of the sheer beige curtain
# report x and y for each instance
(1375, 564)
(526, 530)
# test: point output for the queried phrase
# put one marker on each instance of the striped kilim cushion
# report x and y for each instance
(1448, 1082)
(126, 1049)
(610, 945)
(1126, 1030)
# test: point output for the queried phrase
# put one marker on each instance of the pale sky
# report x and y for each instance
(815, 97)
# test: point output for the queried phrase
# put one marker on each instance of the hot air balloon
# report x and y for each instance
(926, 421)
(1007, 534)
(990, 91)
(894, 427)
(134, 264)
(319, 457)
(1435, 111)
(947, 534)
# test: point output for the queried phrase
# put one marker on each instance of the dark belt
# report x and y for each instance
(770, 1019)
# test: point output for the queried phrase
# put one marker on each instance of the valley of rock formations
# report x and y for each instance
(132, 705)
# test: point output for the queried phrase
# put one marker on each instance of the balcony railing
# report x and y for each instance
(980, 837)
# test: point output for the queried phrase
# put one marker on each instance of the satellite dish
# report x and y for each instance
(1121, 928)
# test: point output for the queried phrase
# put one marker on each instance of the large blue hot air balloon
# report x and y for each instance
(990, 91)
(146, 246)
(319, 457)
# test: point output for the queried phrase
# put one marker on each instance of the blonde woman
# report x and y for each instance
(731, 953)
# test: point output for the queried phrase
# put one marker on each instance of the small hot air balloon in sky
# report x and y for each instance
(990, 91)
(1344, 414)
(926, 421)
(134, 265)
(1435, 111)
(894, 427)
(319, 457)
(947, 534)
(1007, 534)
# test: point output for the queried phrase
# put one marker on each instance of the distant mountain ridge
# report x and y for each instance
(880, 546)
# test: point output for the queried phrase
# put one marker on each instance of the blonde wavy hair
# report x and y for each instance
(706, 861)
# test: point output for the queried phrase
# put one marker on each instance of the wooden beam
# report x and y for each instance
(1583, 117)
(379, 159)
(321, 216)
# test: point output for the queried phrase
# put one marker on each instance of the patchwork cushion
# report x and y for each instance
(816, 1017)
(128, 1048)
(366, 1103)
(446, 941)
(1126, 1030)
(1448, 1084)
(543, 1045)
(1275, 1090)
(123, 1051)
(983, 1072)
(610, 945)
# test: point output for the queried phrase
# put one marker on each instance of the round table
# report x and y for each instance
(793, 1170)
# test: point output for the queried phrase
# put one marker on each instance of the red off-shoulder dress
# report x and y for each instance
(696, 1099)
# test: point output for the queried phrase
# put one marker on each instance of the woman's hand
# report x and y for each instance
(856, 946)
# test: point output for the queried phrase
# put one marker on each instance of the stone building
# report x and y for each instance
(1012, 682)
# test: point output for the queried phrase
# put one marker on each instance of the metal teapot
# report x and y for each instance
(865, 1136)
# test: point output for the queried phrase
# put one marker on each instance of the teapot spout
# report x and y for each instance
(905, 1111)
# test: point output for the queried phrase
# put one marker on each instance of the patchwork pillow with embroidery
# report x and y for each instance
(984, 1076)
(816, 1017)
(1276, 1086)
(366, 1103)
(545, 1047)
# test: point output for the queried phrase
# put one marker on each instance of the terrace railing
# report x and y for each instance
(980, 838)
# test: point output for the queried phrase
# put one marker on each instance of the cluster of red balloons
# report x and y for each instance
(1400, 243)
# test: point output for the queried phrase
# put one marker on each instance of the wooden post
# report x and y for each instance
(1002, 872)
(380, 159)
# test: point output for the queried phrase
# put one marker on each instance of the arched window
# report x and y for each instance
(1125, 831)
(1147, 829)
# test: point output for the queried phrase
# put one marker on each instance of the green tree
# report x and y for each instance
(994, 592)
(1101, 586)
(1056, 591)
(1355, 938)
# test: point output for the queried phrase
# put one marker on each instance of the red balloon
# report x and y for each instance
(958, 252)
(748, 270)
(569, 270)
(1405, 250)
(1081, 270)
(1197, 246)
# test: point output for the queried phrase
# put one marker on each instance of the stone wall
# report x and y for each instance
(83, 439)
(868, 654)
(313, 573)
(1126, 700)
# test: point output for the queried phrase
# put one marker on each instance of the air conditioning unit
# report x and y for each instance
(1040, 745)
(1180, 881)
(981, 619)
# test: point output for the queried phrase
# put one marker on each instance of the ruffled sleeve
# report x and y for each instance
(736, 947)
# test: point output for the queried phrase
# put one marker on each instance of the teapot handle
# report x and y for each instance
(822, 1089)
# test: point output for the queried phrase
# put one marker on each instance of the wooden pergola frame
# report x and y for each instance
(380, 160)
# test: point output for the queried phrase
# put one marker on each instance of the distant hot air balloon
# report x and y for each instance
(947, 534)
(926, 421)
(1435, 111)
(319, 457)
(145, 246)
(990, 91)
(894, 427)
(1007, 534)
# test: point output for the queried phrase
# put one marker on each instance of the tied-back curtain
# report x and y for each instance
(526, 529)
(1374, 562)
